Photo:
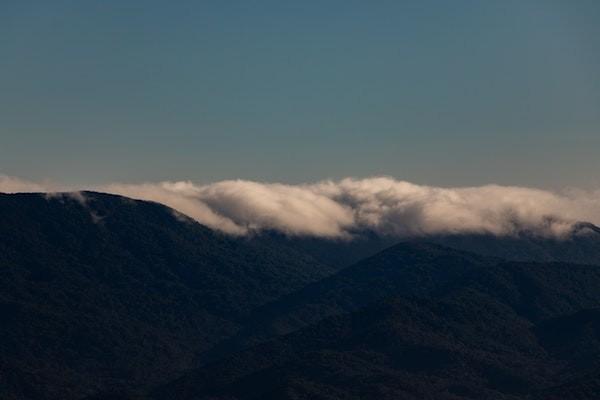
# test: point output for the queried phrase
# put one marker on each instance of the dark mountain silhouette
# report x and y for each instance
(406, 268)
(100, 291)
(509, 331)
(410, 268)
(105, 297)
(338, 253)
(581, 245)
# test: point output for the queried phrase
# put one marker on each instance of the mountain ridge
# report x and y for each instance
(485, 336)
(101, 293)
(100, 283)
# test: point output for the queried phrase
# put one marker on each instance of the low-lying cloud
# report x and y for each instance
(340, 209)
(9, 184)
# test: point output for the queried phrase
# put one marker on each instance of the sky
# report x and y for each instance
(446, 93)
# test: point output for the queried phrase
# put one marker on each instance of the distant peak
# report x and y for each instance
(585, 227)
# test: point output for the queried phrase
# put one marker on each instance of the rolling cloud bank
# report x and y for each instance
(339, 209)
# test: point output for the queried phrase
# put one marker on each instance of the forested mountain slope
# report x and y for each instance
(99, 291)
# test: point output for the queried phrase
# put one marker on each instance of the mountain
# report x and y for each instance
(580, 245)
(410, 268)
(104, 297)
(406, 268)
(508, 331)
(338, 253)
(99, 291)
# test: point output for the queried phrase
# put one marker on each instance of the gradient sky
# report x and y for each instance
(437, 92)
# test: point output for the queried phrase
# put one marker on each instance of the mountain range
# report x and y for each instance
(106, 297)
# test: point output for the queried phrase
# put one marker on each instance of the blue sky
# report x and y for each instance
(435, 92)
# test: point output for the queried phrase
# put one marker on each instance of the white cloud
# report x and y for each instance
(181, 196)
(9, 184)
(338, 209)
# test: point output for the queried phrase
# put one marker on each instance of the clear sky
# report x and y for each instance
(437, 92)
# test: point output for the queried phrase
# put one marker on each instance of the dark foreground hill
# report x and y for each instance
(510, 331)
(103, 292)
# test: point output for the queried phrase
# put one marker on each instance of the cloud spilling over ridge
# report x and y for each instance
(339, 209)
(239, 207)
